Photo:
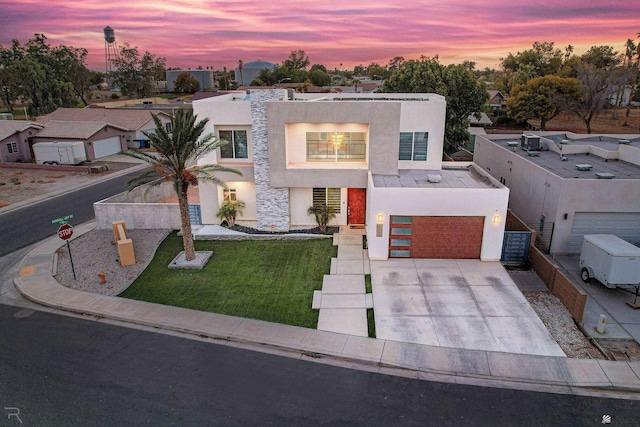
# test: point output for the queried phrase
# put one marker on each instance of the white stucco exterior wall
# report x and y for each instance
(425, 116)
(302, 198)
(486, 202)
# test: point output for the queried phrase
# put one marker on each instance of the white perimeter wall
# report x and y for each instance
(484, 202)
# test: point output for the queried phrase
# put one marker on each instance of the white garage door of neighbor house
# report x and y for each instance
(624, 225)
(106, 147)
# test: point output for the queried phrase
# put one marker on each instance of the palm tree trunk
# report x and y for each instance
(187, 237)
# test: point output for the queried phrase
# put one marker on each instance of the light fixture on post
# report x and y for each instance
(379, 225)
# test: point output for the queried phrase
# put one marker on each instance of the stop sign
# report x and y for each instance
(65, 231)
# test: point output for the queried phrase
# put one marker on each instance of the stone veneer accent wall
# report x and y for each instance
(272, 204)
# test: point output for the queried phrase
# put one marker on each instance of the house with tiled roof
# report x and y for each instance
(100, 139)
(14, 139)
(133, 122)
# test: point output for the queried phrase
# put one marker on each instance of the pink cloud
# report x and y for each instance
(219, 33)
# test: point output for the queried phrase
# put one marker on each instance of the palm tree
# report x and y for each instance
(176, 162)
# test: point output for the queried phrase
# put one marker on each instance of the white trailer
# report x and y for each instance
(614, 262)
(59, 153)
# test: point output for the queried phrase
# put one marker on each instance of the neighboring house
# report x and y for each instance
(14, 139)
(133, 122)
(100, 139)
(374, 159)
(571, 186)
(497, 101)
(484, 120)
(204, 77)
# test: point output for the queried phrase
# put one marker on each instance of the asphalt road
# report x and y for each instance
(32, 223)
(57, 370)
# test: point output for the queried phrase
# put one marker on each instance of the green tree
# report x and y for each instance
(544, 57)
(46, 77)
(465, 95)
(175, 161)
(319, 77)
(186, 83)
(601, 57)
(134, 74)
(297, 60)
(543, 98)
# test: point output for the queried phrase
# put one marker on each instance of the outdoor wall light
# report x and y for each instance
(379, 225)
(496, 218)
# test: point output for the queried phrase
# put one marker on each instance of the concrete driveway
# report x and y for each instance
(466, 304)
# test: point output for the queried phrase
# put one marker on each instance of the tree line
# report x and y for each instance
(541, 82)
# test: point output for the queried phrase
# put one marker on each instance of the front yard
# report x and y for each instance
(264, 280)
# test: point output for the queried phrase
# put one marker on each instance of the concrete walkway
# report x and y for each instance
(487, 368)
(343, 301)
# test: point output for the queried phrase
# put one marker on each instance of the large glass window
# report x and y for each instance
(237, 144)
(413, 146)
(336, 147)
(329, 197)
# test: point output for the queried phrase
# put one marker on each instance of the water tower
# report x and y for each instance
(110, 48)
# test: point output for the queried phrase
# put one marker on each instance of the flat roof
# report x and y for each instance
(450, 177)
(552, 161)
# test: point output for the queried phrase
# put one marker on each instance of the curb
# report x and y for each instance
(474, 367)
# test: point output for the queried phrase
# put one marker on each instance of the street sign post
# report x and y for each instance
(65, 231)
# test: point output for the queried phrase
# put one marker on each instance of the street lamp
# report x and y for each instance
(283, 80)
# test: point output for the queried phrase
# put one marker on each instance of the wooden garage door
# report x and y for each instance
(453, 237)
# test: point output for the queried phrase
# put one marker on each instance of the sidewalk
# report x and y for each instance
(474, 367)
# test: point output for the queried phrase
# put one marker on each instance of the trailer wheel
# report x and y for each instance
(45, 163)
(54, 163)
(584, 275)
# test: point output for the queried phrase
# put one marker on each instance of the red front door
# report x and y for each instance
(356, 205)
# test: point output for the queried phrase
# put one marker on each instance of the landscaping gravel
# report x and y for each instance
(96, 250)
(560, 324)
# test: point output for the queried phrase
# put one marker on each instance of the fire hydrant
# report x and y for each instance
(101, 275)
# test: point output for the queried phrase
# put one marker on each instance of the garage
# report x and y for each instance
(106, 147)
(624, 225)
(443, 237)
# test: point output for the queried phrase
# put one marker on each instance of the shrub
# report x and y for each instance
(229, 210)
(322, 214)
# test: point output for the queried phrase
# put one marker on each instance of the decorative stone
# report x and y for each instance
(272, 204)
(180, 262)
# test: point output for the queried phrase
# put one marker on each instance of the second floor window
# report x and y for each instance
(236, 148)
(413, 146)
(336, 147)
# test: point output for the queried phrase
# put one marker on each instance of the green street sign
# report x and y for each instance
(62, 219)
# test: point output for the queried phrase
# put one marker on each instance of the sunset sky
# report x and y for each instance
(191, 33)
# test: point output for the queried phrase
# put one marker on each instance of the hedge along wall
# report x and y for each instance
(571, 296)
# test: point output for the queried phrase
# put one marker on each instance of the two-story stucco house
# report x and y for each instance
(375, 159)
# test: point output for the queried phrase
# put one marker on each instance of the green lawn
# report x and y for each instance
(265, 280)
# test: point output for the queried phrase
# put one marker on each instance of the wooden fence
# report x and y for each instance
(556, 281)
